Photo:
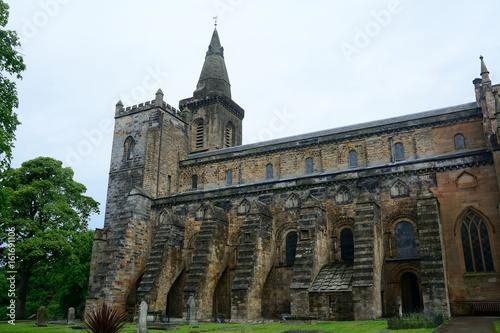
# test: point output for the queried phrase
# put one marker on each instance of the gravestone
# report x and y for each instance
(191, 309)
(41, 317)
(71, 316)
(400, 308)
(142, 322)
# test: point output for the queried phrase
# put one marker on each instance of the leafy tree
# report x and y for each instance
(71, 273)
(11, 64)
(47, 208)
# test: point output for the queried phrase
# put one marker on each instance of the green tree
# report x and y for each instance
(71, 273)
(11, 65)
(47, 208)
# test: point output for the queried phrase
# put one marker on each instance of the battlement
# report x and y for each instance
(157, 102)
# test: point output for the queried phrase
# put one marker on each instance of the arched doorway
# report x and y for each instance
(175, 304)
(132, 301)
(222, 296)
(411, 299)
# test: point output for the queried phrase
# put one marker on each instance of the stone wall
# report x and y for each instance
(330, 151)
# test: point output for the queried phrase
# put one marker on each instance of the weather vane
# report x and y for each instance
(215, 20)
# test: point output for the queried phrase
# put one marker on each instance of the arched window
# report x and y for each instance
(353, 159)
(269, 171)
(291, 248)
(476, 244)
(194, 182)
(228, 135)
(399, 151)
(406, 246)
(459, 142)
(309, 165)
(200, 134)
(129, 148)
(229, 177)
(346, 245)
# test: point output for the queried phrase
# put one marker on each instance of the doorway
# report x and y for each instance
(411, 299)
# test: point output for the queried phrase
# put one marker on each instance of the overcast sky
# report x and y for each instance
(294, 66)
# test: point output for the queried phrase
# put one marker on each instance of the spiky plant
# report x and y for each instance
(105, 320)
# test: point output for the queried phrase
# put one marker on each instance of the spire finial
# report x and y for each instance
(484, 71)
(215, 21)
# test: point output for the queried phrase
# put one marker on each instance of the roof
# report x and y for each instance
(333, 277)
(214, 77)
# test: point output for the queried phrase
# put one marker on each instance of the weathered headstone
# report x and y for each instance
(143, 314)
(191, 309)
(41, 317)
(400, 308)
(71, 316)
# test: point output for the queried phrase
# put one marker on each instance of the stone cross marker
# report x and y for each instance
(143, 314)
(71, 316)
(41, 317)
(191, 309)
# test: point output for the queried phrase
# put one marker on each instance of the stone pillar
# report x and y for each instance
(255, 259)
(312, 253)
(431, 245)
(368, 261)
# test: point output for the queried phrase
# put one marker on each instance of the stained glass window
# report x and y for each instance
(476, 244)
(406, 246)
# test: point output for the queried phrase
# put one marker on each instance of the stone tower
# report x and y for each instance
(149, 140)
(215, 120)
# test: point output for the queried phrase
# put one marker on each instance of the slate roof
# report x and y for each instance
(333, 277)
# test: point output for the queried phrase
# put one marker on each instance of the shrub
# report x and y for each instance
(106, 320)
(429, 319)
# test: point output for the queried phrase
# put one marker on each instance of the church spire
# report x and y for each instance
(213, 77)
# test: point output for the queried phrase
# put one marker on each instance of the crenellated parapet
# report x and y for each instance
(121, 110)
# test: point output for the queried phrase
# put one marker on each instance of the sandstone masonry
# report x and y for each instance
(338, 224)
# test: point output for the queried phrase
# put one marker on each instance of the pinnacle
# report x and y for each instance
(215, 46)
(483, 66)
(484, 71)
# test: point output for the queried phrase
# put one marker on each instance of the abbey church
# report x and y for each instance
(343, 224)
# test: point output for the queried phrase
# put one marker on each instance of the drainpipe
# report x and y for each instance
(392, 149)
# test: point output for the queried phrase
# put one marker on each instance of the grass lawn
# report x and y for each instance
(372, 326)
(497, 326)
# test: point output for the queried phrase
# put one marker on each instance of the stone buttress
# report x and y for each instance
(255, 259)
(209, 260)
(311, 255)
(368, 260)
(165, 263)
